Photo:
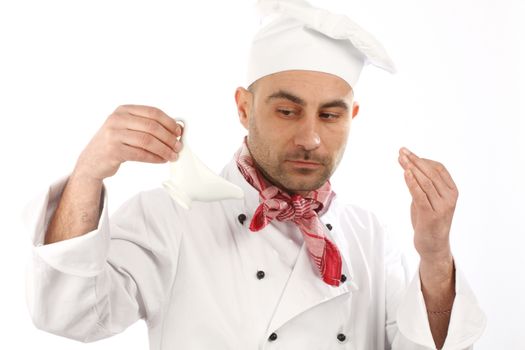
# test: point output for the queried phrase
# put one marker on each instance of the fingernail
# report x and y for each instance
(173, 156)
(405, 151)
(178, 131)
(177, 147)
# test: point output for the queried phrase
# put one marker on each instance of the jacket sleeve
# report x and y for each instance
(96, 285)
(407, 326)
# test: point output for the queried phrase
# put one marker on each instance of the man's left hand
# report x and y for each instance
(434, 197)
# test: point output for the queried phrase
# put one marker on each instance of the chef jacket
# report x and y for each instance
(202, 280)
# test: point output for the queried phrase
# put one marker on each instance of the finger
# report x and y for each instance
(445, 175)
(140, 155)
(419, 197)
(150, 126)
(426, 185)
(153, 113)
(429, 170)
(147, 142)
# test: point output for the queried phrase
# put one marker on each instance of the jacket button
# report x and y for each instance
(329, 227)
(260, 275)
(241, 218)
(343, 278)
(272, 337)
(341, 337)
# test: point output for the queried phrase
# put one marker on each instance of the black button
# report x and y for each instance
(241, 218)
(260, 275)
(329, 227)
(341, 337)
(343, 278)
(272, 337)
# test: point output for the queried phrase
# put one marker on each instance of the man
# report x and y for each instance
(288, 266)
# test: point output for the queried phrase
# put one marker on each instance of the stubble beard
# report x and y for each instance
(275, 173)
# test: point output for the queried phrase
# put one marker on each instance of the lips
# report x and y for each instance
(303, 164)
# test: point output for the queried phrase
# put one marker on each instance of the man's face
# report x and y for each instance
(298, 124)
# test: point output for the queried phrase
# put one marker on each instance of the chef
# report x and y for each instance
(289, 266)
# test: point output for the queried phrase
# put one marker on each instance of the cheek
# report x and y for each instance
(336, 142)
(262, 139)
(269, 129)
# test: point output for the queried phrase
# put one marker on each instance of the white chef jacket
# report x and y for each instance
(202, 280)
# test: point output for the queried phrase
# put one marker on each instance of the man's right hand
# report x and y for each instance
(131, 132)
(139, 133)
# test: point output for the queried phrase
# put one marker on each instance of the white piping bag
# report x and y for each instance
(191, 180)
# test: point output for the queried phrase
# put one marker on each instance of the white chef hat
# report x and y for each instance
(302, 37)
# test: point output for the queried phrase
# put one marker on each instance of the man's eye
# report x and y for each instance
(285, 112)
(329, 116)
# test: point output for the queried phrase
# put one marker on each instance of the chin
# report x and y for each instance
(305, 186)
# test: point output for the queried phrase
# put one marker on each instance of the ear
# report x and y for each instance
(243, 99)
(355, 109)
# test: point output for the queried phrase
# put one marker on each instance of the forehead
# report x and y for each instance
(307, 84)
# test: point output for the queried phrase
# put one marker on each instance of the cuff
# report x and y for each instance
(467, 320)
(83, 256)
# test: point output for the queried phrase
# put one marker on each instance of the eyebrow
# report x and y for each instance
(281, 94)
(336, 103)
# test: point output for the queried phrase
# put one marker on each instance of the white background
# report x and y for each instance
(457, 98)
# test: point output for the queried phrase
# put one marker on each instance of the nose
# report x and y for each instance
(307, 135)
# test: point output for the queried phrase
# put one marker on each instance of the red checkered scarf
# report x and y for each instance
(278, 204)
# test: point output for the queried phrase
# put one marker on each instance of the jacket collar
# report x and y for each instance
(250, 202)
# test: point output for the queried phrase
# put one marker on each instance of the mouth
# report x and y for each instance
(303, 164)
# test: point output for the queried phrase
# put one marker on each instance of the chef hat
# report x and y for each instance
(302, 37)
